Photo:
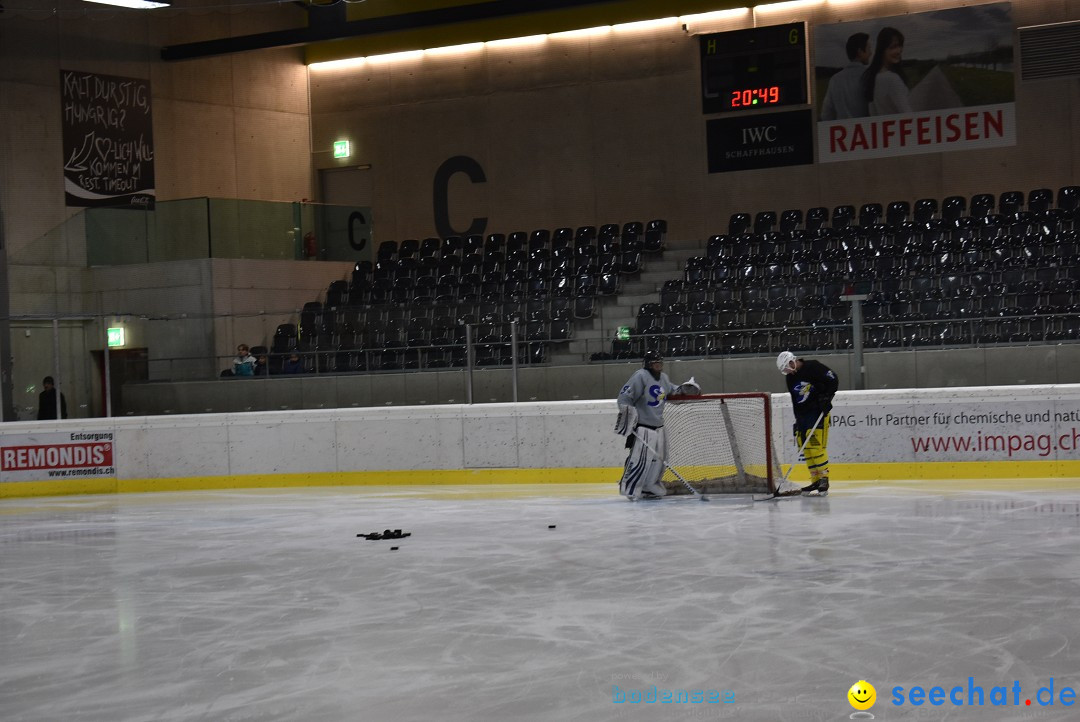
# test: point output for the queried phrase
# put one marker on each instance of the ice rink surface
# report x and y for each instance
(266, 605)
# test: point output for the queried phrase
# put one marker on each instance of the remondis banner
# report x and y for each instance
(918, 83)
(53, 456)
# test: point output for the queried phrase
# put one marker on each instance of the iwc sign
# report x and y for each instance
(760, 141)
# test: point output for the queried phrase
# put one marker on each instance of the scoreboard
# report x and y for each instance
(754, 68)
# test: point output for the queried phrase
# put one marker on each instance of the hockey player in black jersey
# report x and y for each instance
(812, 385)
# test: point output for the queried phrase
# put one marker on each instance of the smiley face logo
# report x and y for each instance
(862, 695)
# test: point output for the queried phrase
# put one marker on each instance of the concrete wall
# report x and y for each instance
(1017, 432)
(227, 127)
(608, 127)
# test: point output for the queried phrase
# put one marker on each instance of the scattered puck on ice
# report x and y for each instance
(551, 526)
(393, 549)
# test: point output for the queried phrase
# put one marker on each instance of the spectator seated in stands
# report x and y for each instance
(244, 363)
(293, 364)
(262, 365)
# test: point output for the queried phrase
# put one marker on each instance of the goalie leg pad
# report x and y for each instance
(644, 468)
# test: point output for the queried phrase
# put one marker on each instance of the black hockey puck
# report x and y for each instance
(551, 526)
(393, 549)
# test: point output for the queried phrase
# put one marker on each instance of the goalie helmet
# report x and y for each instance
(785, 362)
(652, 357)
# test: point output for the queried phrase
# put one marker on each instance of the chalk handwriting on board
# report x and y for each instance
(108, 140)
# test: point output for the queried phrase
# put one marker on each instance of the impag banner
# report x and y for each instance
(1034, 423)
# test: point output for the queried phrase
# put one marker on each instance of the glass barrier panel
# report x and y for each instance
(343, 233)
(118, 236)
(181, 231)
(252, 229)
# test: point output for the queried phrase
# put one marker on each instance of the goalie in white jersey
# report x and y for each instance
(641, 409)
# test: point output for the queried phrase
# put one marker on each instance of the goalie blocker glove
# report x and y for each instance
(689, 388)
(626, 421)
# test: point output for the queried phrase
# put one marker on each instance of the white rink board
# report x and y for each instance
(867, 427)
(570, 434)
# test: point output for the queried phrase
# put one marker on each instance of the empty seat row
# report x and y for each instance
(399, 359)
(903, 334)
(430, 250)
(780, 247)
(922, 211)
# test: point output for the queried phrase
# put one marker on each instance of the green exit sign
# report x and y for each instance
(342, 149)
(115, 337)
(623, 334)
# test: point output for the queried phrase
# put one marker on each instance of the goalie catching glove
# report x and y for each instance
(626, 421)
(689, 388)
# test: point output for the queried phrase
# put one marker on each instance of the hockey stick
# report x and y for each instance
(663, 461)
(806, 440)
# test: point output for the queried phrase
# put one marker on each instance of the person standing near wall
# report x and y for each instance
(47, 401)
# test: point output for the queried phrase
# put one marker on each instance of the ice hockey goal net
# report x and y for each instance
(721, 443)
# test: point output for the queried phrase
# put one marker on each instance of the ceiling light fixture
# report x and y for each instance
(133, 4)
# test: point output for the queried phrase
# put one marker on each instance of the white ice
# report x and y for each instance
(266, 605)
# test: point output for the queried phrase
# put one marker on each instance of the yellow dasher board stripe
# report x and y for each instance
(974, 475)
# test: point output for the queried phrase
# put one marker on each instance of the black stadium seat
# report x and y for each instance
(764, 222)
(926, 209)
(1040, 200)
(869, 214)
(842, 216)
(655, 235)
(982, 204)
(495, 243)
(1011, 202)
(540, 238)
(739, 223)
(1068, 198)
(897, 213)
(632, 231)
(953, 208)
(791, 220)
(387, 250)
(517, 241)
(816, 218)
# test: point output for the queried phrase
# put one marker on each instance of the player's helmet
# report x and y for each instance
(651, 357)
(785, 362)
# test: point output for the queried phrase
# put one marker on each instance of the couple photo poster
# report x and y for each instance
(917, 83)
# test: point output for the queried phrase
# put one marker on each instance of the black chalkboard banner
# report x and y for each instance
(108, 140)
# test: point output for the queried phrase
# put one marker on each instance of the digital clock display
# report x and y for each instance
(754, 68)
(750, 97)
